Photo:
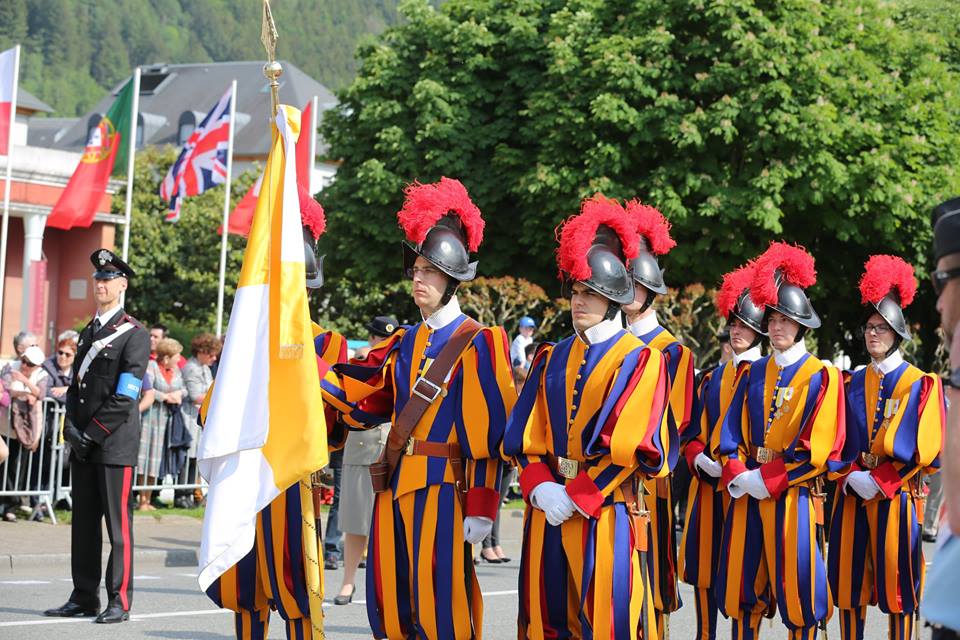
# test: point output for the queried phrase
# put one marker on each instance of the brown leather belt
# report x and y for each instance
(764, 455)
(432, 449)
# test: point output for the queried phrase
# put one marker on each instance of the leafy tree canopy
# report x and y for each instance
(831, 124)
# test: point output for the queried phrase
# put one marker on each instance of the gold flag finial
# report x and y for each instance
(272, 70)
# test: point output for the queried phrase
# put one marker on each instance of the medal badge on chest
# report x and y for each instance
(781, 402)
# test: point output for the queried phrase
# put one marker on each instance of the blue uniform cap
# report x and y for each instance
(527, 321)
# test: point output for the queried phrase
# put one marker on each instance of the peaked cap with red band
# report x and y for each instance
(594, 246)
(888, 284)
(443, 225)
(780, 277)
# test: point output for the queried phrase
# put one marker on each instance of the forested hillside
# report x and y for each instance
(75, 49)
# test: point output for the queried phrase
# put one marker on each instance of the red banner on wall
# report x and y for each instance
(38, 280)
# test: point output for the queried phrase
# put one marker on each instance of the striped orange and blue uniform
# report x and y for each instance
(604, 406)
(273, 573)
(420, 577)
(876, 555)
(706, 505)
(770, 554)
(659, 493)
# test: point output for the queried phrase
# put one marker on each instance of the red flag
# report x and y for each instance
(78, 203)
(242, 215)
(8, 80)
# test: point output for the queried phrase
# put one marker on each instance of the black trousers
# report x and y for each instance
(101, 491)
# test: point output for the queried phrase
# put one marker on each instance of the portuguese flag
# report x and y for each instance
(106, 149)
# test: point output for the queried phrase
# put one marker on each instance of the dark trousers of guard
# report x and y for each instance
(101, 491)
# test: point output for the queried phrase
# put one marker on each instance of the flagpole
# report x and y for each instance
(5, 226)
(224, 232)
(313, 144)
(131, 150)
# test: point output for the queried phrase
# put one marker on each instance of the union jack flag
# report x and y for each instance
(202, 162)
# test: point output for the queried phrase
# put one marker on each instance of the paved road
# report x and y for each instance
(168, 604)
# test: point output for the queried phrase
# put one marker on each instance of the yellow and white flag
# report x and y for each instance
(264, 427)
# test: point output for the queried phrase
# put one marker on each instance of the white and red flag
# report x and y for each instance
(8, 84)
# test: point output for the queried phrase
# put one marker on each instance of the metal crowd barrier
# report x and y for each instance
(38, 480)
(28, 479)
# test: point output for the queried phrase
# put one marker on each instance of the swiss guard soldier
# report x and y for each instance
(446, 386)
(783, 431)
(590, 422)
(102, 425)
(273, 575)
(896, 418)
(707, 503)
(654, 232)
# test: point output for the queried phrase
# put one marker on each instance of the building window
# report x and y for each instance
(185, 126)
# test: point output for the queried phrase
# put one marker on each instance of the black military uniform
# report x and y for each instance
(103, 427)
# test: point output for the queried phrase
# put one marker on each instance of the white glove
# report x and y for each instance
(476, 528)
(749, 482)
(710, 467)
(552, 499)
(862, 483)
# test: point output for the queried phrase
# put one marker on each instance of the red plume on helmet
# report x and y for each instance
(577, 234)
(311, 213)
(882, 274)
(734, 284)
(426, 204)
(652, 226)
(795, 265)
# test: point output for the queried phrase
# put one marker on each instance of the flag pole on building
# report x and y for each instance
(313, 144)
(226, 211)
(132, 149)
(5, 226)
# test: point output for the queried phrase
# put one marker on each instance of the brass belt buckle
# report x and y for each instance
(567, 468)
(870, 460)
(408, 450)
(764, 455)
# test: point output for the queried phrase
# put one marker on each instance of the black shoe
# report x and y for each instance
(362, 564)
(345, 599)
(493, 560)
(184, 502)
(71, 610)
(929, 537)
(112, 614)
(504, 560)
(331, 563)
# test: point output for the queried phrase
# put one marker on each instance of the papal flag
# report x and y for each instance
(264, 427)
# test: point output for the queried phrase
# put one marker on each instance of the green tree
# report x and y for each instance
(829, 124)
(177, 265)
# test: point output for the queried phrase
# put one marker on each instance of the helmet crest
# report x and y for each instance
(790, 262)
(426, 204)
(882, 274)
(652, 226)
(311, 213)
(577, 234)
(734, 284)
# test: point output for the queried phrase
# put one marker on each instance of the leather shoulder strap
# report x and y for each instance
(429, 387)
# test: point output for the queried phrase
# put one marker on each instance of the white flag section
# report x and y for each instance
(8, 82)
(264, 428)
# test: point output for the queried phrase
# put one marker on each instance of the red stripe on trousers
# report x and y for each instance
(125, 534)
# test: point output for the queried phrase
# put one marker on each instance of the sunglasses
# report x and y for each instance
(941, 278)
(64, 353)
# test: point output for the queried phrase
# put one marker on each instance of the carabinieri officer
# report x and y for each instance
(102, 426)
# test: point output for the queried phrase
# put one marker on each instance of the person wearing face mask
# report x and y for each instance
(895, 420)
(654, 236)
(273, 576)
(446, 386)
(699, 548)
(783, 431)
(591, 422)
